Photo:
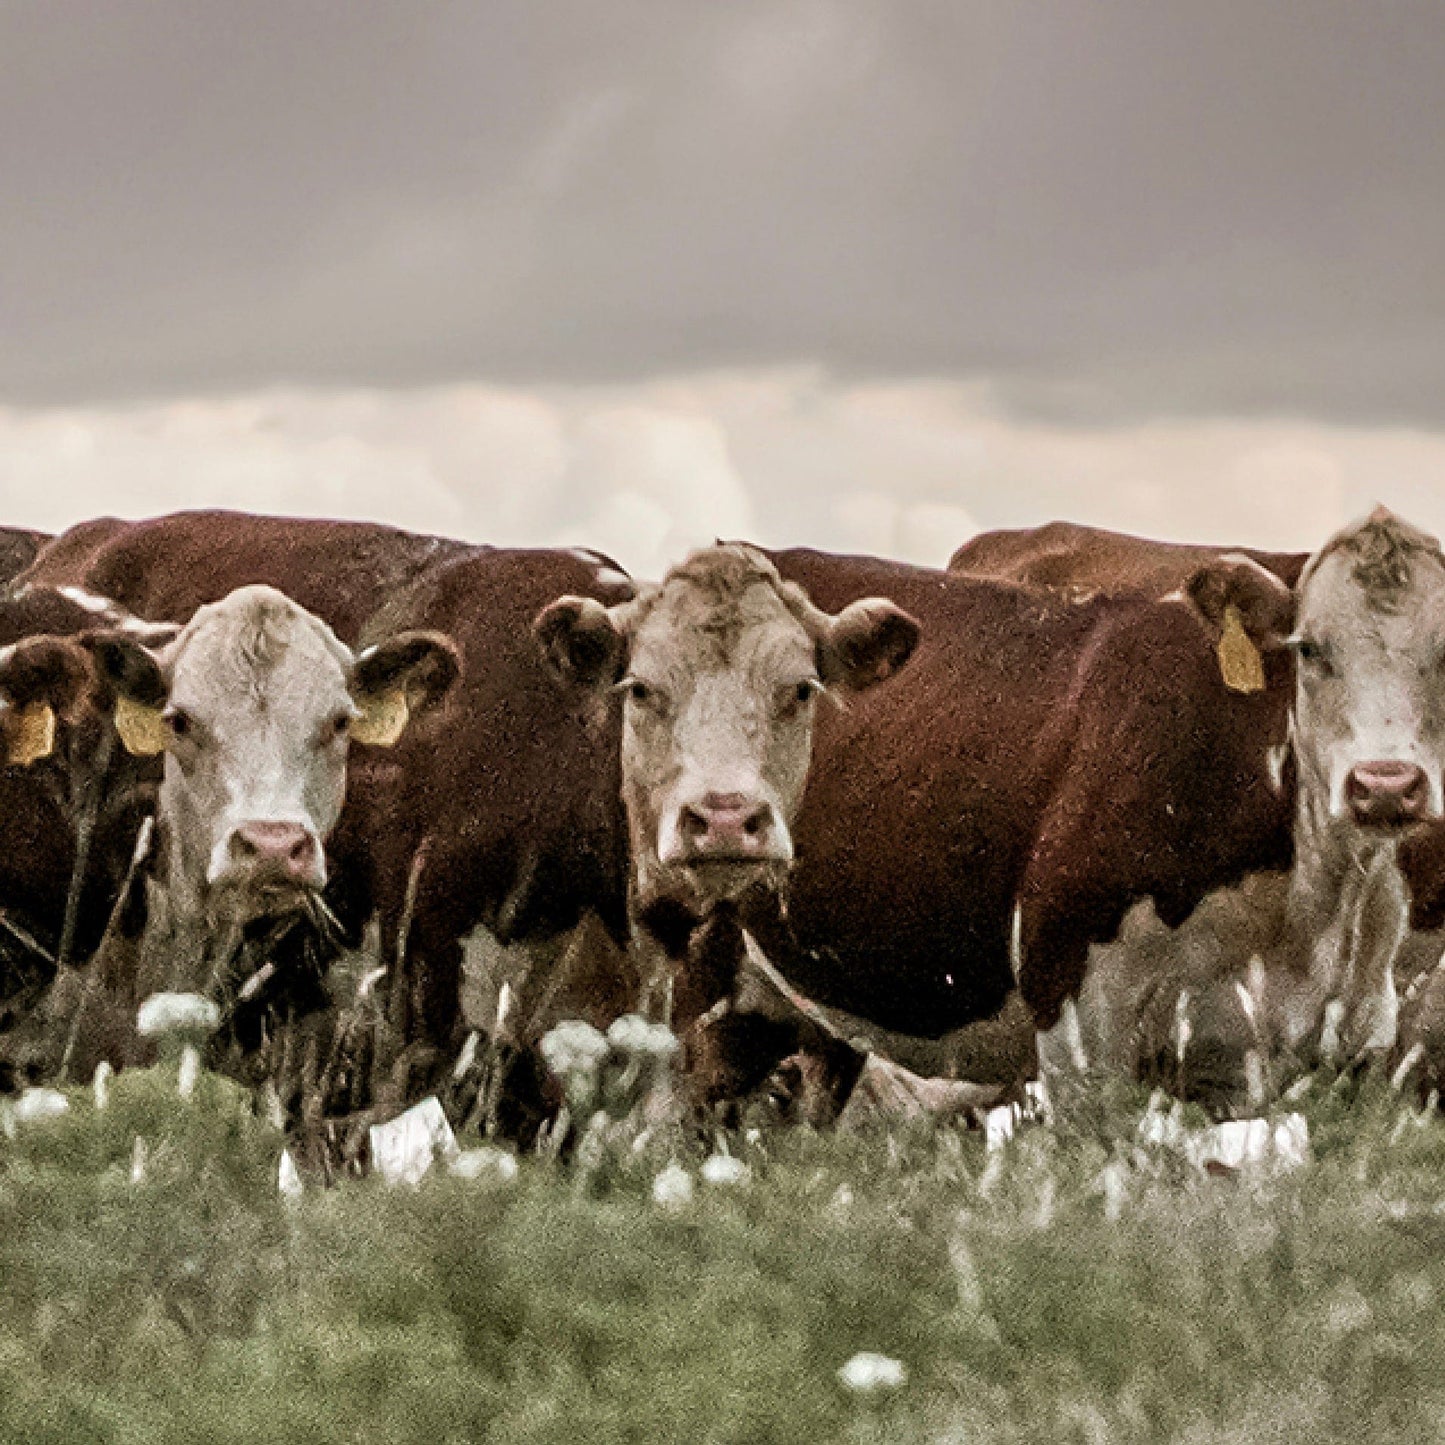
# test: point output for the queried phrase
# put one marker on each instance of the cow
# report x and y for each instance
(1074, 557)
(1050, 762)
(255, 706)
(1334, 928)
(498, 822)
(1366, 627)
(719, 669)
(71, 800)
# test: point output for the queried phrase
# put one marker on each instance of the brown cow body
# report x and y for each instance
(1070, 556)
(18, 549)
(166, 567)
(1068, 757)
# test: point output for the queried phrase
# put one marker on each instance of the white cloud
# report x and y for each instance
(908, 469)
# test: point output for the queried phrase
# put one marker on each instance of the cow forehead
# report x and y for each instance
(690, 629)
(1395, 596)
(258, 647)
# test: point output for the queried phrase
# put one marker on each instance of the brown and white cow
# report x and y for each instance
(1331, 934)
(719, 668)
(255, 705)
(501, 821)
(1366, 751)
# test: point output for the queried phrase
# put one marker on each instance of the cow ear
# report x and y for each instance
(581, 640)
(135, 675)
(405, 675)
(1252, 610)
(40, 678)
(869, 640)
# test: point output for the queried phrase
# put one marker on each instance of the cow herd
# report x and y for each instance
(1080, 799)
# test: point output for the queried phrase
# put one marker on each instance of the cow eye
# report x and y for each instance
(181, 724)
(340, 725)
(793, 698)
(635, 690)
(1313, 654)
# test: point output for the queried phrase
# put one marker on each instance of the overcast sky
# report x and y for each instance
(868, 273)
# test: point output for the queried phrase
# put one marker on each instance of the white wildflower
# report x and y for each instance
(574, 1045)
(868, 1373)
(36, 1104)
(494, 1165)
(100, 1083)
(723, 1169)
(672, 1189)
(138, 1157)
(575, 1052)
(166, 1013)
(633, 1034)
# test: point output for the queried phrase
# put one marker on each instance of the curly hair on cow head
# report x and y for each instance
(1384, 550)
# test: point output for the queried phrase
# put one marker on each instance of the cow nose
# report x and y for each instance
(287, 848)
(727, 825)
(1387, 793)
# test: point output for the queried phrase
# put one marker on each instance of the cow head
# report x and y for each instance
(1366, 624)
(719, 669)
(254, 706)
(42, 680)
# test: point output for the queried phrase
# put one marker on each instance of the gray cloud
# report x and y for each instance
(1112, 210)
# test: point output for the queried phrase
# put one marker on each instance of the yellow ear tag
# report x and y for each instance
(142, 729)
(383, 719)
(33, 735)
(1239, 659)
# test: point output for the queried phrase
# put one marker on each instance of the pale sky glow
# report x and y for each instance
(644, 471)
(865, 274)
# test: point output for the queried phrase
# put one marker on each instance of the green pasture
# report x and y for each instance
(1074, 1285)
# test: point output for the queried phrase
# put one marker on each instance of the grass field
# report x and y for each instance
(1072, 1285)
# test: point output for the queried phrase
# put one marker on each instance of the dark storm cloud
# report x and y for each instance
(1113, 209)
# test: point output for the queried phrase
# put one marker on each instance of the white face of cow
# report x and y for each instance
(255, 705)
(1369, 719)
(719, 669)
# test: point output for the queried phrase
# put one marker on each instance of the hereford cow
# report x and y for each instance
(719, 669)
(1366, 626)
(71, 801)
(1333, 930)
(506, 820)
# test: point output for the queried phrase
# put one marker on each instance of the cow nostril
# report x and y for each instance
(694, 825)
(756, 823)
